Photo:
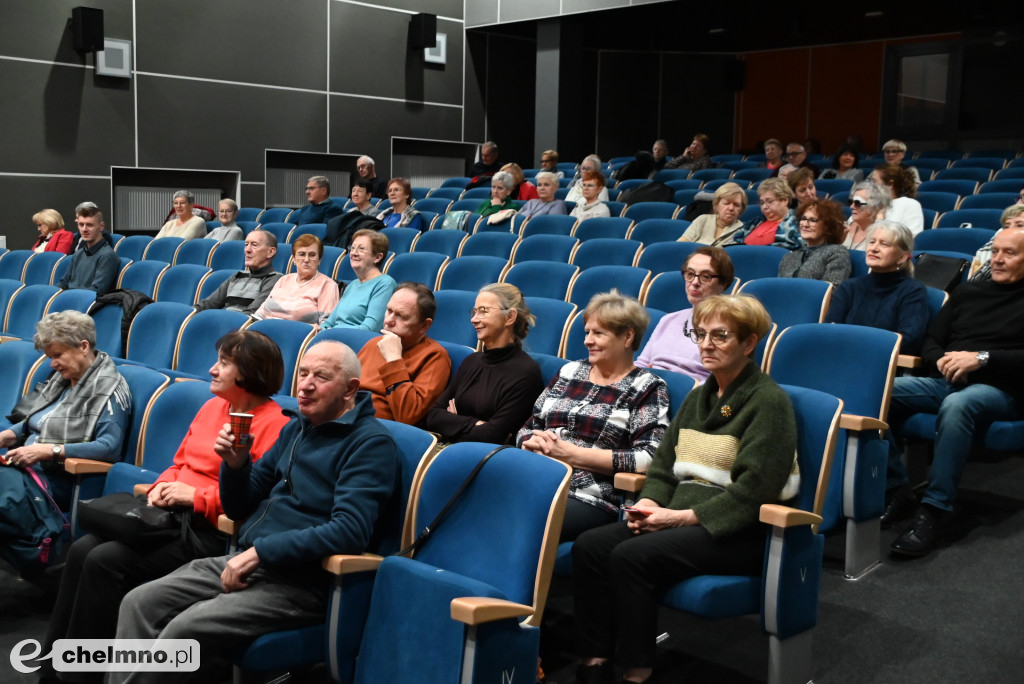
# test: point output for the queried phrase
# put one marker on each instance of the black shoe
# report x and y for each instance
(900, 504)
(603, 673)
(922, 536)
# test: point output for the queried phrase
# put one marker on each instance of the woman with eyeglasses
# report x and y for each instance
(903, 208)
(729, 449)
(822, 257)
(867, 205)
(591, 206)
(365, 299)
(601, 415)
(706, 273)
(778, 224)
(492, 393)
(307, 295)
(888, 297)
(718, 229)
(894, 151)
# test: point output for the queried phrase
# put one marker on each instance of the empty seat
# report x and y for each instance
(471, 273)
(548, 224)
(628, 280)
(132, 247)
(452, 318)
(966, 240)
(40, 268)
(195, 354)
(756, 261)
(180, 284)
(273, 215)
(228, 255)
(71, 300)
(549, 279)
(972, 218)
(163, 249)
(1012, 185)
(212, 281)
(606, 252)
(153, 335)
(489, 244)
(989, 200)
(445, 242)
(316, 229)
(400, 239)
(959, 186)
(195, 252)
(669, 256)
(650, 231)
(142, 276)
(26, 308)
(938, 201)
(438, 205)
(553, 316)
(418, 267)
(603, 227)
(977, 175)
(291, 337)
(667, 292)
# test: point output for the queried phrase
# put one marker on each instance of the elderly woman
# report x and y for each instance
(903, 208)
(602, 415)
(502, 184)
(549, 162)
(695, 157)
(981, 267)
(845, 165)
(401, 214)
(307, 295)
(366, 298)
(522, 190)
(717, 229)
(778, 225)
(82, 411)
(492, 393)
(185, 224)
(822, 257)
(706, 272)
(546, 202)
(729, 449)
(227, 212)
(801, 182)
(99, 572)
(773, 153)
(888, 297)
(53, 237)
(575, 193)
(867, 204)
(591, 206)
(894, 151)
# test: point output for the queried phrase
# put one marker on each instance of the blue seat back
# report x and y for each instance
(756, 261)
(291, 337)
(26, 308)
(212, 281)
(318, 230)
(145, 384)
(39, 269)
(142, 276)
(17, 358)
(71, 300)
(966, 240)
(153, 335)
(549, 279)
(667, 256)
(457, 353)
(667, 292)
(452, 318)
(628, 280)
(418, 267)
(615, 227)
(547, 334)
(169, 417)
(354, 338)
(273, 215)
(489, 244)
(196, 351)
(549, 224)
(445, 242)
(400, 239)
(180, 283)
(649, 231)
(606, 252)
(133, 247)
(163, 249)
(229, 255)
(471, 273)
(791, 300)
(196, 252)
(679, 386)
(544, 247)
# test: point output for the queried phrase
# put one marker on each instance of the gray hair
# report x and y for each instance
(231, 203)
(368, 158)
(505, 178)
(546, 175)
(269, 239)
(321, 182)
(877, 195)
(67, 328)
(347, 360)
(187, 194)
(489, 145)
(901, 237)
(594, 158)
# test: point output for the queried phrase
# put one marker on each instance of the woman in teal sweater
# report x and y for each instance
(731, 448)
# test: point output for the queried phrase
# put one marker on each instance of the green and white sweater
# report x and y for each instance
(724, 457)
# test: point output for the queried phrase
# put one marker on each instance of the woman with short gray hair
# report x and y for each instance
(501, 195)
(546, 202)
(867, 201)
(81, 411)
(185, 223)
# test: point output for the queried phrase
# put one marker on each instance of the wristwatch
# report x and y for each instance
(57, 450)
(983, 358)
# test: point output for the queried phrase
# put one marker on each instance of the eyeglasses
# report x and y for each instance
(704, 278)
(891, 151)
(771, 201)
(809, 219)
(792, 154)
(856, 203)
(312, 187)
(719, 337)
(306, 255)
(546, 160)
(360, 250)
(484, 310)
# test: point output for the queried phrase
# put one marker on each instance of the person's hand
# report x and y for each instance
(550, 444)
(236, 572)
(235, 456)
(390, 346)
(27, 455)
(451, 407)
(168, 494)
(955, 366)
(8, 438)
(496, 202)
(660, 518)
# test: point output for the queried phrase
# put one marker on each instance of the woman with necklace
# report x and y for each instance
(306, 295)
(866, 203)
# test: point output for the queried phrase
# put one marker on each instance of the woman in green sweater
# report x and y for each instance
(731, 448)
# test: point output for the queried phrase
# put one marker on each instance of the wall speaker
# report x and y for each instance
(424, 30)
(87, 29)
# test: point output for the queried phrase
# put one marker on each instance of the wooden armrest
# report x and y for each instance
(784, 516)
(630, 482)
(848, 421)
(477, 610)
(227, 525)
(343, 565)
(141, 489)
(908, 361)
(86, 466)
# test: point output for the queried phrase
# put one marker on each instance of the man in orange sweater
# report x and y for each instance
(405, 370)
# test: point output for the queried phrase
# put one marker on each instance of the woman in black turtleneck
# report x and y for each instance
(492, 393)
(888, 297)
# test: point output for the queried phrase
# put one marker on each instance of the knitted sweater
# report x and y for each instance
(890, 301)
(192, 229)
(724, 457)
(587, 211)
(703, 230)
(308, 302)
(404, 390)
(822, 262)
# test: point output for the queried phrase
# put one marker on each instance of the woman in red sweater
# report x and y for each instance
(98, 572)
(52, 235)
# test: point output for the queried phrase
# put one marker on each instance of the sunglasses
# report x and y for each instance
(856, 203)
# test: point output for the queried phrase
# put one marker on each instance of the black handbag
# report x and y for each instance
(130, 519)
(940, 272)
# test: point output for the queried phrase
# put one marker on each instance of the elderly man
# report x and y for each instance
(404, 369)
(94, 265)
(488, 163)
(796, 155)
(974, 353)
(227, 212)
(321, 208)
(367, 169)
(246, 290)
(575, 194)
(344, 464)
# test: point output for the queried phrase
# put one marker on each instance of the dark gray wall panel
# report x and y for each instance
(253, 41)
(41, 30)
(511, 94)
(627, 109)
(24, 196)
(380, 62)
(443, 8)
(361, 126)
(476, 81)
(196, 125)
(695, 99)
(63, 119)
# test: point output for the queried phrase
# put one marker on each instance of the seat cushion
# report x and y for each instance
(716, 596)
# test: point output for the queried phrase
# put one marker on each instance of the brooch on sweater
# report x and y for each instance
(727, 411)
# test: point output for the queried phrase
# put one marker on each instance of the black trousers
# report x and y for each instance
(580, 517)
(620, 577)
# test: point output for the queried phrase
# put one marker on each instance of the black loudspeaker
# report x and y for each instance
(424, 30)
(735, 75)
(87, 29)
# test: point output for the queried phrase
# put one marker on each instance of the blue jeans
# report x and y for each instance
(962, 411)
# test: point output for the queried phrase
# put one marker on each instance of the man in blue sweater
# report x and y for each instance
(974, 352)
(319, 490)
(321, 208)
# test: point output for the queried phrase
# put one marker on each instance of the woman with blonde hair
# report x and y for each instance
(717, 229)
(53, 237)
